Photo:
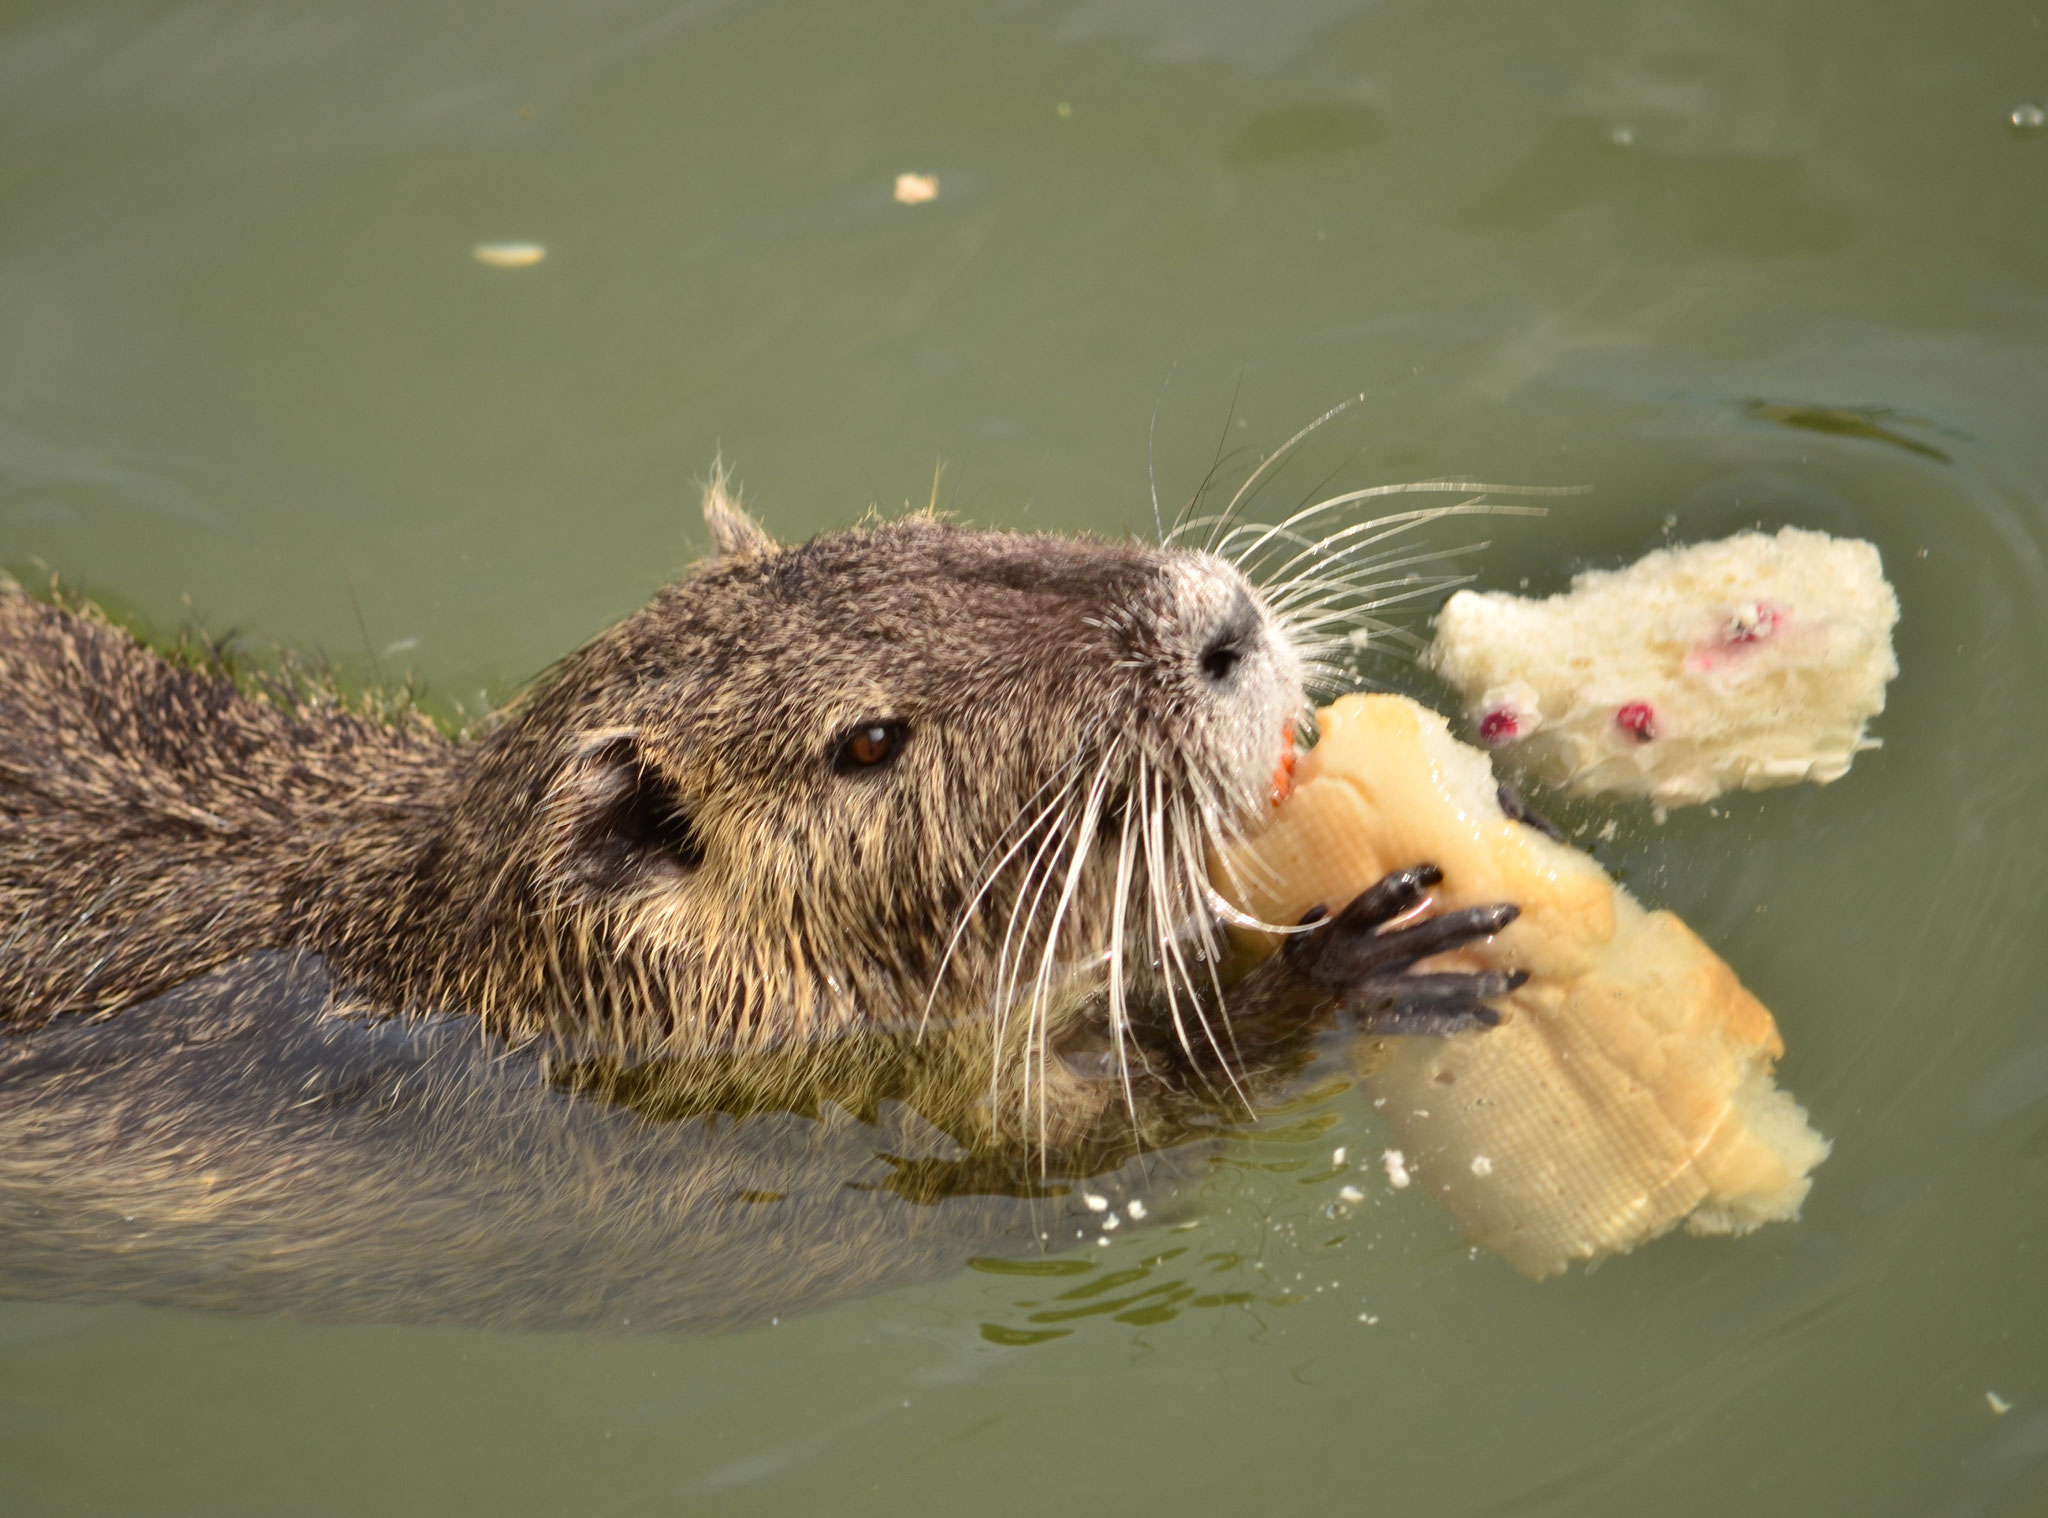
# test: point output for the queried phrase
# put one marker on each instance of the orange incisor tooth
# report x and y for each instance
(1283, 771)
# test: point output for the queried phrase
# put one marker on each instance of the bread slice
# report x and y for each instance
(1629, 1086)
(1752, 662)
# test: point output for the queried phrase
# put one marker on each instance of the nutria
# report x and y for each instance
(907, 819)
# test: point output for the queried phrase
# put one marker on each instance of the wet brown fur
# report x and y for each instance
(650, 859)
(635, 1006)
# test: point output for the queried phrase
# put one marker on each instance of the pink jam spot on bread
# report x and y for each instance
(1637, 720)
(1740, 633)
(1752, 624)
(1498, 726)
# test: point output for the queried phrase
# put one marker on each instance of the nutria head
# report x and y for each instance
(894, 777)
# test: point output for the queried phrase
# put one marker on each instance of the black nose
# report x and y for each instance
(1220, 659)
(1227, 646)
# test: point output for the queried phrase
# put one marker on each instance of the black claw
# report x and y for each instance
(1446, 991)
(1367, 966)
(1433, 1022)
(1381, 902)
(1518, 810)
(1341, 958)
(1432, 1004)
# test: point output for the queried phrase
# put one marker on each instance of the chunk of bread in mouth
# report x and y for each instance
(1629, 1086)
(1752, 662)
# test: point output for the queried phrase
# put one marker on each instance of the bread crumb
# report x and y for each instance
(916, 189)
(508, 255)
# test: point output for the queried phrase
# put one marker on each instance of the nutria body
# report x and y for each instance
(907, 819)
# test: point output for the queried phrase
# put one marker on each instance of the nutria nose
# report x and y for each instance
(1235, 635)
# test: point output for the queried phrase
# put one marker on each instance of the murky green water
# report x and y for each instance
(1722, 263)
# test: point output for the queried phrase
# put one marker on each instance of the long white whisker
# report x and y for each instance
(1379, 527)
(988, 882)
(1282, 452)
(1010, 961)
(1369, 575)
(1174, 961)
(1119, 1015)
(1039, 1011)
(1351, 561)
(1413, 487)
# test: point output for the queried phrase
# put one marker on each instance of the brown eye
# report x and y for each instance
(868, 745)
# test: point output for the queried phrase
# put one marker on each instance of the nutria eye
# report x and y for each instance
(869, 744)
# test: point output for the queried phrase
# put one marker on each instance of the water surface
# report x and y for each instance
(1722, 264)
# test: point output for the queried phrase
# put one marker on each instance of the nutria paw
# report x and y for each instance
(1366, 964)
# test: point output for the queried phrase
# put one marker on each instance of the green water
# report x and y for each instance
(1722, 263)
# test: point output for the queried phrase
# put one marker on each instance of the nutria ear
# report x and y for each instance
(734, 534)
(612, 821)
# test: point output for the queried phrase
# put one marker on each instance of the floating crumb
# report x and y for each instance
(1397, 1168)
(1998, 1405)
(1368, 1319)
(1096, 1202)
(1482, 1164)
(1103, 1240)
(916, 189)
(1337, 1155)
(1350, 1194)
(1112, 1221)
(509, 255)
(1136, 1209)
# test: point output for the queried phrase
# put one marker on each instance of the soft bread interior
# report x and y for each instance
(1755, 661)
(1629, 1086)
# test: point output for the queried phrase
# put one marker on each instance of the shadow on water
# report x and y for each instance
(1875, 424)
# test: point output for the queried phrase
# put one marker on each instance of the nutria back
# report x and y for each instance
(148, 803)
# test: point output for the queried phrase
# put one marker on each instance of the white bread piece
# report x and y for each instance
(1628, 1087)
(1752, 662)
